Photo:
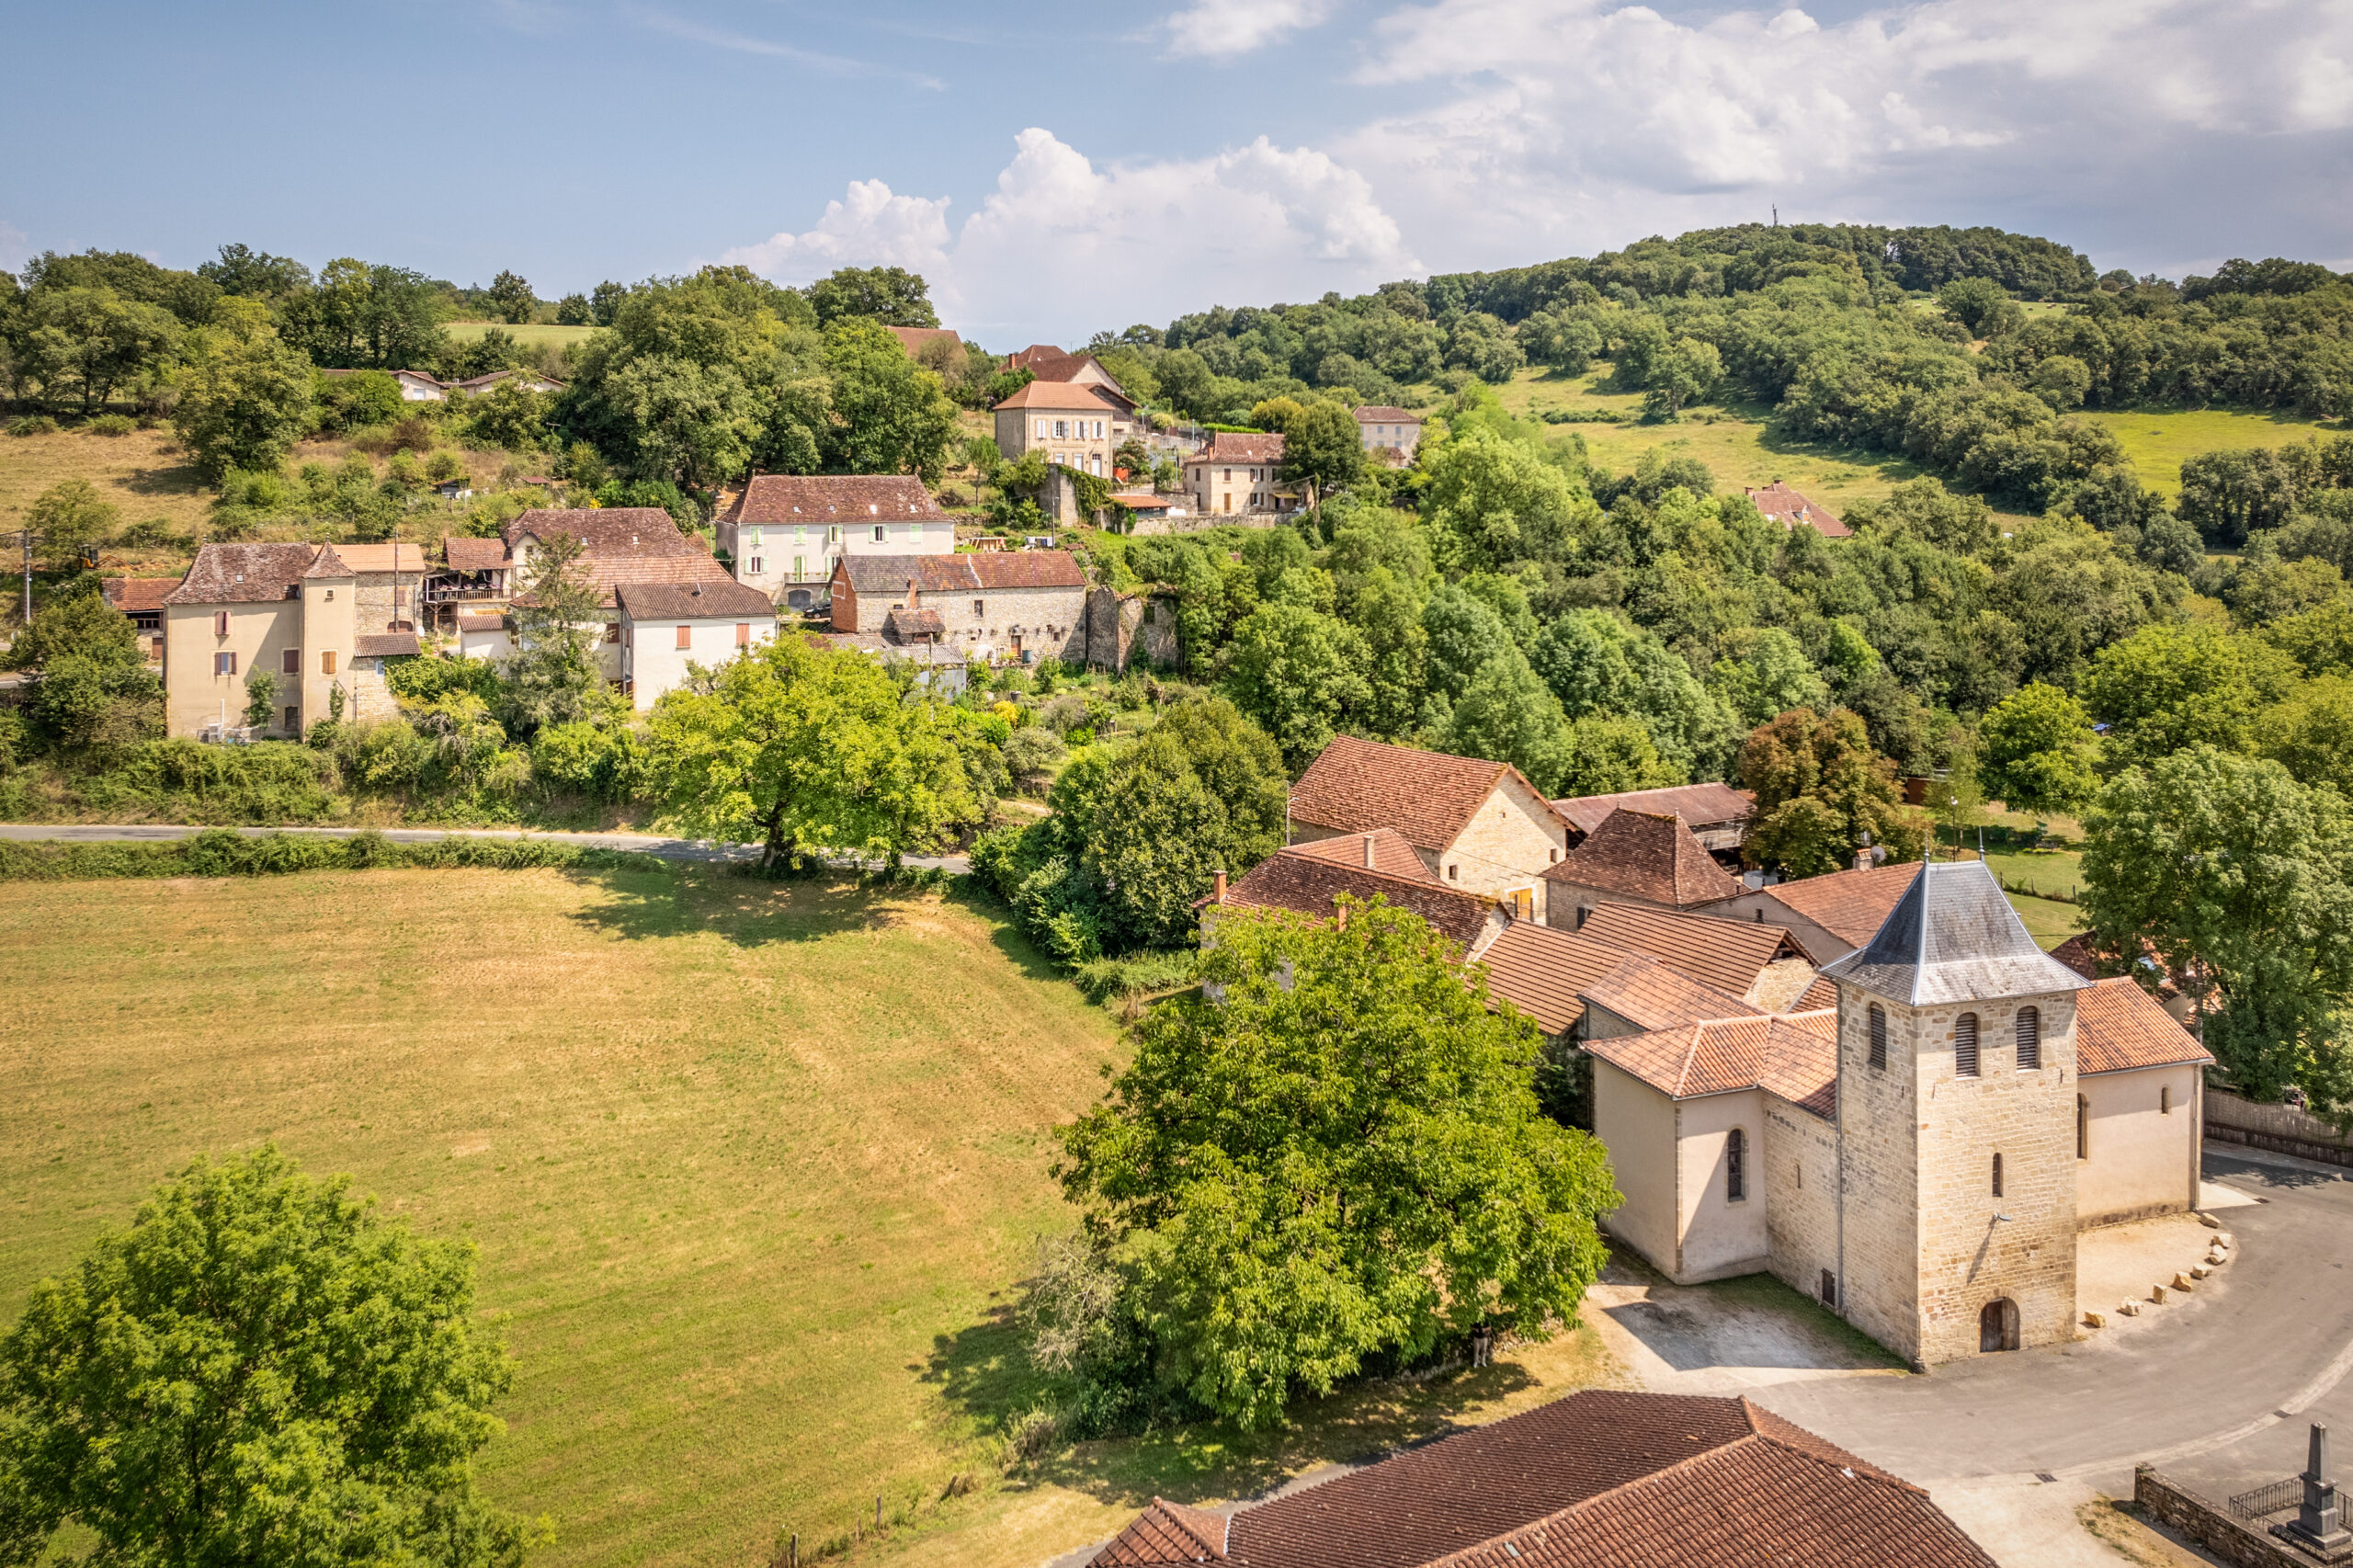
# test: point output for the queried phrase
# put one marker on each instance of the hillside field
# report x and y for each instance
(754, 1171)
(527, 333)
(144, 474)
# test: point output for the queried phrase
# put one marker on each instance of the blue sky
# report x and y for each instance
(1057, 167)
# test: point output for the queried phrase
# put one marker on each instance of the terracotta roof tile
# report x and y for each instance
(1793, 1055)
(1647, 857)
(2119, 1026)
(1545, 973)
(1013, 570)
(461, 552)
(707, 598)
(1227, 447)
(907, 625)
(1786, 508)
(1727, 954)
(1820, 995)
(771, 499)
(1165, 1534)
(1382, 414)
(620, 544)
(913, 339)
(1603, 1479)
(384, 557)
(1649, 996)
(1391, 853)
(133, 595)
(1428, 796)
(1080, 396)
(1702, 806)
(1851, 906)
(244, 574)
(486, 620)
(384, 644)
(1306, 884)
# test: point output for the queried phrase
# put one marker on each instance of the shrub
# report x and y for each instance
(1064, 713)
(222, 852)
(1082, 737)
(32, 425)
(112, 424)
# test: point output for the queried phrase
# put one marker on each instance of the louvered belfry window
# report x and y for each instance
(1964, 1045)
(1879, 1034)
(2029, 1040)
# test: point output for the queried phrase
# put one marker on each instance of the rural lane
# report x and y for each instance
(642, 843)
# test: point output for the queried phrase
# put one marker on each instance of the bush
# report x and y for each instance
(32, 425)
(586, 759)
(274, 781)
(222, 852)
(112, 424)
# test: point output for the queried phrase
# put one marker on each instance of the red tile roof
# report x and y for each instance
(1820, 995)
(1014, 570)
(1382, 414)
(1793, 1055)
(384, 557)
(1726, 954)
(1701, 805)
(1545, 973)
(1226, 446)
(1166, 1533)
(1063, 396)
(1648, 857)
(620, 544)
(776, 498)
(246, 574)
(1851, 906)
(482, 621)
(1786, 508)
(2119, 1026)
(1391, 853)
(891, 574)
(913, 339)
(135, 595)
(1306, 884)
(462, 554)
(1606, 1478)
(1022, 359)
(1649, 996)
(1428, 796)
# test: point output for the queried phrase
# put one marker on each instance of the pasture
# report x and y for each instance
(144, 473)
(527, 333)
(754, 1170)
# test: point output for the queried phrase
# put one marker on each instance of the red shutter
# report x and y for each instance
(220, 623)
(292, 662)
(685, 637)
(743, 634)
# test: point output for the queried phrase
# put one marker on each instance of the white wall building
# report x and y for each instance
(666, 625)
(785, 533)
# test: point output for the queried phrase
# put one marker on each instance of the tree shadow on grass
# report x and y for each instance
(179, 479)
(984, 1373)
(750, 912)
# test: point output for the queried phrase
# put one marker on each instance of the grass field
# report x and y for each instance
(2159, 439)
(753, 1170)
(527, 333)
(144, 473)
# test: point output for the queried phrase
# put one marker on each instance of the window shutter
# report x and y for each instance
(220, 623)
(2029, 1040)
(1878, 1018)
(1964, 1045)
(685, 637)
(326, 661)
(743, 634)
(291, 663)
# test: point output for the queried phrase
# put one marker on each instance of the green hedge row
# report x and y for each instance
(222, 852)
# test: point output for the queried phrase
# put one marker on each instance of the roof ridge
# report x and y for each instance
(1861, 1468)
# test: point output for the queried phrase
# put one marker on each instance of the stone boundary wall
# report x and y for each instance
(2282, 1129)
(2209, 1526)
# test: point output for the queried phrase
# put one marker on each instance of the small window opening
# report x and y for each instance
(2165, 1099)
(2029, 1040)
(1736, 1167)
(2083, 1128)
(1998, 1175)
(1829, 1288)
(1964, 1046)
(1878, 1020)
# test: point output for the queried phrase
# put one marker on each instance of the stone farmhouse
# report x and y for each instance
(301, 613)
(1236, 475)
(1018, 605)
(1921, 1153)
(140, 600)
(1073, 423)
(1635, 857)
(1478, 827)
(784, 533)
(1048, 363)
(1391, 434)
(1310, 879)
(1606, 1478)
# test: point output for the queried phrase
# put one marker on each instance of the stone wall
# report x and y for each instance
(1798, 1172)
(1879, 1289)
(2208, 1525)
(377, 604)
(1506, 845)
(1124, 628)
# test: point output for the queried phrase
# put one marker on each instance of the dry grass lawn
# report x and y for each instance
(144, 473)
(754, 1171)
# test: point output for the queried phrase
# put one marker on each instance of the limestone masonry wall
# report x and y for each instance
(1799, 1170)
(1880, 1292)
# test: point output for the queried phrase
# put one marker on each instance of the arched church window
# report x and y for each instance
(1736, 1167)
(1964, 1045)
(1879, 1034)
(2030, 1038)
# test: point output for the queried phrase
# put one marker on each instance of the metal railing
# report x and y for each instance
(2265, 1501)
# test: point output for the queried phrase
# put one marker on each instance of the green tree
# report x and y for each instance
(889, 296)
(2169, 688)
(2238, 881)
(1975, 303)
(2037, 751)
(512, 298)
(1340, 1158)
(359, 316)
(261, 699)
(89, 341)
(1507, 714)
(509, 414)
(2310, 735)
(260, 1370)
(1819, 788)
(1322, 449)
(803, 748)
(1299, 673)
(244, 405)
(1685, 373)
(1493, 503)
(573, 309)
(551, 678)
(890, 415)
(75, 625)
(1766, 673)
(71, 518)
(605, 301)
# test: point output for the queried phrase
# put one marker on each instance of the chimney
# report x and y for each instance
(1862, 860)
(1367, 852)
(1217, 888)
(911, 593)
(1339, 913)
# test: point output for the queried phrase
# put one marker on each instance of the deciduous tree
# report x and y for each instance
(1819, 788)
(244, 405)
(2037, 752)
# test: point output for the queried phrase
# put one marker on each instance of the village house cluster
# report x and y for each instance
(1871, 1084)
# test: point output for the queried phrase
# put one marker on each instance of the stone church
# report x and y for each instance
(1922, 1156)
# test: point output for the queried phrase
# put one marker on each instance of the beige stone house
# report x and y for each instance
(291, 612)
(1476, 825)
(785, 532)
(1072, 423)
(1020, 606)
(1920, 1155)
(1635, 857)
(1238, 475)
(1389, 434)
(1048, 363)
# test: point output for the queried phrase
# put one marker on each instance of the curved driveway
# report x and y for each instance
(2217, 1392)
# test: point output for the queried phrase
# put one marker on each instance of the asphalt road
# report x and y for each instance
(2218, 1394)
(643, 843)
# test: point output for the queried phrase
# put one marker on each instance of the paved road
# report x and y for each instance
(643, 843)
(2217, 1391)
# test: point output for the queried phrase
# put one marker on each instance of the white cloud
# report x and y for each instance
(1570, 123)
(1224, 29)
(1065, 247)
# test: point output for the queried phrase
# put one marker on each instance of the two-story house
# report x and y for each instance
(1072, 423)
(290, 611)
(785, 532)
(1236, 474)
(665, 626)
(1389, 434)
(1017, 605)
